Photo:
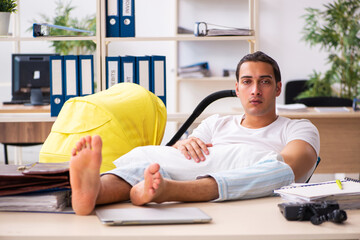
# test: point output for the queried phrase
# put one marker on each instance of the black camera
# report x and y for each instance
(317, 213)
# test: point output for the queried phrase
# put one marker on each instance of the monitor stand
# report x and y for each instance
(36, 97)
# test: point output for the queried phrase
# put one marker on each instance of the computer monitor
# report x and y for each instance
(31, 78)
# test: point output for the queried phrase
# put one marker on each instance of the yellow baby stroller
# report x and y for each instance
(125, 116)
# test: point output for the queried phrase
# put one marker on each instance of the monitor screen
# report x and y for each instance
(30, 75)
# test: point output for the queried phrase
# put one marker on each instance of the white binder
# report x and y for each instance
(71, 83)
(86, 75)
(158, 64)
(143, 67)
(112, 18)
(127, 68)
(56, 85)
(112, 71)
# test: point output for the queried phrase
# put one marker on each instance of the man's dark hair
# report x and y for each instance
(260, 57)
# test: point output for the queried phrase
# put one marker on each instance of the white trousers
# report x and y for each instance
(240, 171)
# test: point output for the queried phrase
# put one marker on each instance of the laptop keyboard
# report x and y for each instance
(16, 102)
(46, 101)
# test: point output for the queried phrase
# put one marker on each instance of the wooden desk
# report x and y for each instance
(14, 108)
(249, 219)
(24, 124)
(339, 139)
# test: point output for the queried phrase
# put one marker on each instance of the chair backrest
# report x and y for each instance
(317, 163)
(293, 88)
(198, 110)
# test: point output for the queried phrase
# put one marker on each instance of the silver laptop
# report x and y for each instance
(151, 215)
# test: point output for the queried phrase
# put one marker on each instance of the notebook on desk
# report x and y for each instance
(321, 191)
(152, 215)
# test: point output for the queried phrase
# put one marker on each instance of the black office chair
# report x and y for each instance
(293, 88)
(6, 158)
(325, 102)
(317, 164)
(198, 110)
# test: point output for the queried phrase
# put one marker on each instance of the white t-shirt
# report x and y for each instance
(227, 130)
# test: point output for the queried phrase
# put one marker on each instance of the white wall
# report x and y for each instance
(280, 30)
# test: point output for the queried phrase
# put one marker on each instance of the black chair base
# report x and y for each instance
(18, 145)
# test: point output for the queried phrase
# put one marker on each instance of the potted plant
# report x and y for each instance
(6, 8)
(337, 30)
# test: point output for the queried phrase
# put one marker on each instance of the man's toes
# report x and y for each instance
(73, 152)
(157, 180)
(88, 142)
(154, 168)
(155, 185)
(157, 175)
(79, 146)
(96, 143)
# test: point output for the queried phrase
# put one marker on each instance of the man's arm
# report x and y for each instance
(300, 156)
(193, 148)
(196, 146)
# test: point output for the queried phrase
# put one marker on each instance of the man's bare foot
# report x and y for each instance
(85, 174)
(151, 189)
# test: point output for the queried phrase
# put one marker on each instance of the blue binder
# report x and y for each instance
(158, 77)
(143, 71)
(86, 75)
(71, 81)
(127, 18)
(56, 85)
(127, 69)
(112, 18)
(112, 71)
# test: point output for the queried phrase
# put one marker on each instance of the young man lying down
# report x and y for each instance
(225, 158)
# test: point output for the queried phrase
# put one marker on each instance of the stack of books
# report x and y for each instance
(197, 70)
(346, 194)
(45, 201)
(39, 187)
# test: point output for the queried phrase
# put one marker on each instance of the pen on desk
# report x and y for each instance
(338, 182)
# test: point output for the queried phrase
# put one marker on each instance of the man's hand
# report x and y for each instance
(193, 148)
